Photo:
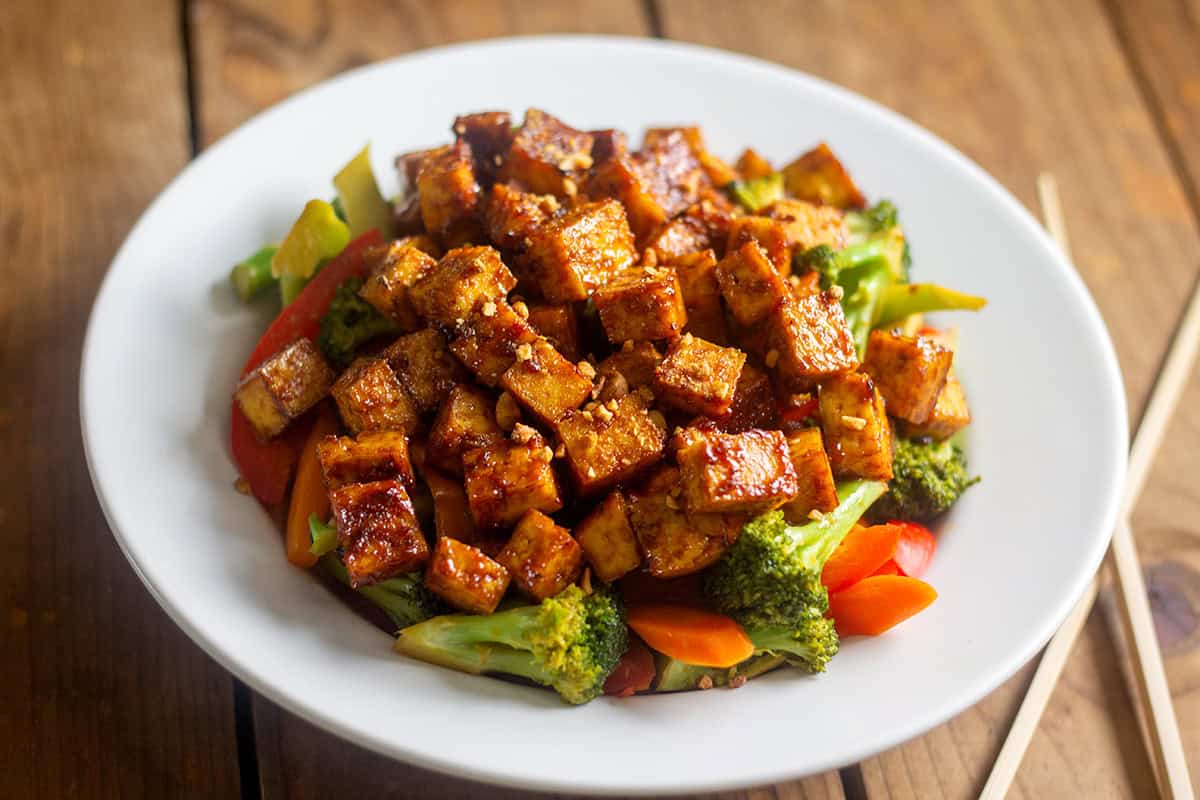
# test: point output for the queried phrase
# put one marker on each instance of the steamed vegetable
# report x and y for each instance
(878, 603)
(403, 598)
(361, 201)
(691, 635)
(350, 323)
(309, 498)
(928, 478)
(757, 193)
(253, 275)
(316, 236)
(863, 551)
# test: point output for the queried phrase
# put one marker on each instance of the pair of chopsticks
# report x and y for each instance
(1162, 729)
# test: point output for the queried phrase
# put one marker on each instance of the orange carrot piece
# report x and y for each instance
(890, 567)
(863, 551)
(308, 491)
(690, 635)
(875, 604)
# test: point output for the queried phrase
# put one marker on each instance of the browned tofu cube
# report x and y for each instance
(487, 344)
(753, 404)
(608, 144)
(573, 254)
(818, 177)
(377, 530)
(817, 491)
(559, 324)
(424, 366)
(750, 283)
(808, 338)
(858, 437)
(950, 414)
(395, 267)
(683, 235)
(642, 304)
(489, 135)
(749, 471)
(750, 165)
(718, 171)
(464, 421)
(370, 397)
(545, 383)
(697, 273)
(511, 216)
(771, 235)
(368, 457)
(547, 155)
(451, 515)
(610, 443)
(677, 542)
(464, 280)
(283, 387)
(624, 178)
(506, 479)
(608, 541)
(542, 557)
(465, 577)
(698, 377)
(809, 225)
(449, 195)
(675, 174)
(633, 365)
(909, 372)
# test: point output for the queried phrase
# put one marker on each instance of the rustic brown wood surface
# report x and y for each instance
(102, 696)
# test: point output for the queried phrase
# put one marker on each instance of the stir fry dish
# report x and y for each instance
(604, 419)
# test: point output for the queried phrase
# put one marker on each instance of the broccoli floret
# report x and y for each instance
(770, 579)
(757, 193)
(876, 219)
(570, 642)
(403, 598)
(928, 478)
(350, 323)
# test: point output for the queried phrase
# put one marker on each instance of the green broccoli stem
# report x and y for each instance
(904, 300)
(398, 597)
(825, 534)
(674, 675)
(861, 302)
(458, 641)
(254, 274)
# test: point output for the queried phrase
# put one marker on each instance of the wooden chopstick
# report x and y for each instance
(1163, 729)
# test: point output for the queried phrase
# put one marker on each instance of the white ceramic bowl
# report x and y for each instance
(167, 338)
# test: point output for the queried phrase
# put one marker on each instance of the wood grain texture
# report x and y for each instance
(100, 694)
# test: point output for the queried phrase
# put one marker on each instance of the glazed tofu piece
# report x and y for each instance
(721, 472)
(451, 515)
(612, 442)
(283, 387)
(950, 414)
(697, 273)
(675, 173)
(573, 254)
(753, 404)
(370, 397)
(508, 478)
(807, 339)
(909, 372)
(487, 344)
(808, 225)
(680, 236)
(542, 557)
(750, 283)
(464, 280)
(625, 178)
(369, 457)
(547, 155)
(699, 377)
(464, 421)
(489, 135)
(677, 542)
(817, 491)
(818, 177)
(750, 165)
(425, 367)
(642, 304)
(559, 324)
(608, 144)
(465, 577)
(395, 267)
(377, 530)
(857, 434)
(449, 195)
(633, 365)
(545, 383)
(608, 541)
(771, 235)
(511, 216)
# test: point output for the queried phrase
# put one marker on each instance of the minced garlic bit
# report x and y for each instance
(705, 682)
(857, 423)
(837, 293)
(591, 473)
(521, 309)
(771, 358)
(575, 161)
(627, 346)
(585, 582)
(524, 352)
(522, 433)
(603, 413)
(815, 515)
(489, 309)
(569, 187)
(242, 485)
(546, 454)
(586, 369)
(560, 451)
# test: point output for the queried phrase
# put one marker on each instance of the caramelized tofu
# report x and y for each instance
(559, 324)
(544, 382)
(508, 478)
(698, 376)
(809, 225)
(858, 437)
(377, 530)
(424, 366)
(771, 235)
(950, 414)
(750, 165)
(751, 284)
(451, 515)
(749, 471)
(677, 542)
(489, 135)
(487, 344)
(465, 577)
(635, 363)
(608, 541)
(678, 237)
(464, 421)
(809, 339)
(541, 556)
(624, 178)
(818, 177)
(464, 280)
(814, 478)
(642, 304)
(283, 387)
(573, 254)
(697, 275)
(608, 144)
(449, 195)
(753, 404)
(368, 457)
(511, 216)
(611, 443)
(370, 397)
(395, 267)
(675, 174)
(547, 155)
(909, 372)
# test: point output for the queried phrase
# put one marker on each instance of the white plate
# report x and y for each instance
(166, 340)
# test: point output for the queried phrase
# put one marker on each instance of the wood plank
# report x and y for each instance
(102, 695)
(1021, 88)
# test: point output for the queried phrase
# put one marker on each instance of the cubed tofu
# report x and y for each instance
(753, 404)
(487, 344)
(817, 491)
(771, 235)
(451, 514)
(573, 254)
(697, 273)
(610, 443)
(642, 304)
(751, 284)
(683, 235)
(489, 135)
(543, 558)
(624, 178)
(425, 367)
(465, 577)
(857, 434)
(368, 457)
(608, 144)
(464, 280)
(609, 544)
(807, 339)
(465, 420)
(950, 414)
(808, 225)
(511, 216)
(370, 397)
(698, 377)
(722, 472)
(818, 177)
(675, 173)
(750, 165)
(283, 387)
(449, 195)
(395, 267)
(547, 155)
(675, 541)
(635, 363)
(377, 530)
(560, 324)
(909, 372)
(508, 478)
(545, 383)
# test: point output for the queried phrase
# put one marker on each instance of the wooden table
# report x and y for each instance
(103, 101)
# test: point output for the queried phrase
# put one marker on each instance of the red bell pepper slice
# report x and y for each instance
(914, 550)
(634, 672)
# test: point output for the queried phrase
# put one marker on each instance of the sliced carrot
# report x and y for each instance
(863, 551)
(308, 491)
(875, 604)
(691, 635)
(915, 549)
(889, 568)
